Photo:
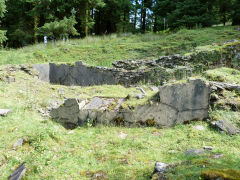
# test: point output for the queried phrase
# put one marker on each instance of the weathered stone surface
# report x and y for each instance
(190, 100)
(82, 75)
(226, 126)
(199, 128)
(5, 112)
(159, 171)
(44, 70)
(18, 173)
(178, 103)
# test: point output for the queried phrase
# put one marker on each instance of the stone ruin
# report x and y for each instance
(173, 104)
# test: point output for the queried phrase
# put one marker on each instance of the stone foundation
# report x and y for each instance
(175, 104)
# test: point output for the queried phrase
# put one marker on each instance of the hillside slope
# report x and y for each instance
(102, 51)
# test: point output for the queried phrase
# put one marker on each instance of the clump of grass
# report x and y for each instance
(227, 75)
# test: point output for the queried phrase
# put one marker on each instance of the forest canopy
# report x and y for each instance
(24, 22)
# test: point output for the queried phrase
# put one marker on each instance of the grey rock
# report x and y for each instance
(139, 96)
(18, 173)
(191, 99)
(227, 126)
(217, 156)
(19, 142)
(5, 112)
(160, 167)
(194, 152)
(199, 128)
(141, 89)
(154, 88)
(209, 148)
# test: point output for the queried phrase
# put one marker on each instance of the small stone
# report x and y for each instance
(209, 148)
(199, 128)
(5, 112)
(214, 97)
(194, 152)
(100, 175)
(141, 89)
(123, 135)
(61, 91)
(171, 152)
(154, 88)
(18, 143)
(217, 156)
(160, 167)
(138, 96)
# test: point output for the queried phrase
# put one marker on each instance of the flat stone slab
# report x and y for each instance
(5, 112)
(178, 103)
(226, 126)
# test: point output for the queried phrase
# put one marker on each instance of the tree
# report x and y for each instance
(58, 29)
(236, 13)
(2, 11)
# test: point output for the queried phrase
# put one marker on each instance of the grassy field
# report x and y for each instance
(52, 152)
(104, 50)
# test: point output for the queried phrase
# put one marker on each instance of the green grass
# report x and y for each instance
(224, 75)
(104, 50)
(52, 152)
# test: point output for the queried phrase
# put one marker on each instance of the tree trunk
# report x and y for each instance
(86, 19)
(35, 26)
(135, 14)
(144, 13)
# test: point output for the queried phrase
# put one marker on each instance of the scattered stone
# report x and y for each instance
(226, 126)
(214, 97)
(199, 128)
(5, 112)
(194, 152)
(123, 135)
(217, 156)
(222, 86)
(100, 175)
(208, 148)
(61, 91)
(160, 167)
(139, 96)
(18, 143)
(18, 173)
(142, 90)
(172, 152)
(154, 88)
(10, 79)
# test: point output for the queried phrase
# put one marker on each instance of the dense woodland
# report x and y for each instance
(25, 22)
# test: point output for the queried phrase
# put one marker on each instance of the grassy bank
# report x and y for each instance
(104, 50)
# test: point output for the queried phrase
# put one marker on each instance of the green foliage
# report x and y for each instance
(60, 28)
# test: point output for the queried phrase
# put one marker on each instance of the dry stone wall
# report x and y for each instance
(176, 104)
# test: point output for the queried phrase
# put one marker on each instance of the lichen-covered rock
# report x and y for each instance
(178, 103)
(226, 126)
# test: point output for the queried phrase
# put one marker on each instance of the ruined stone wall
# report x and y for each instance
(154, 71)
(176, 104)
